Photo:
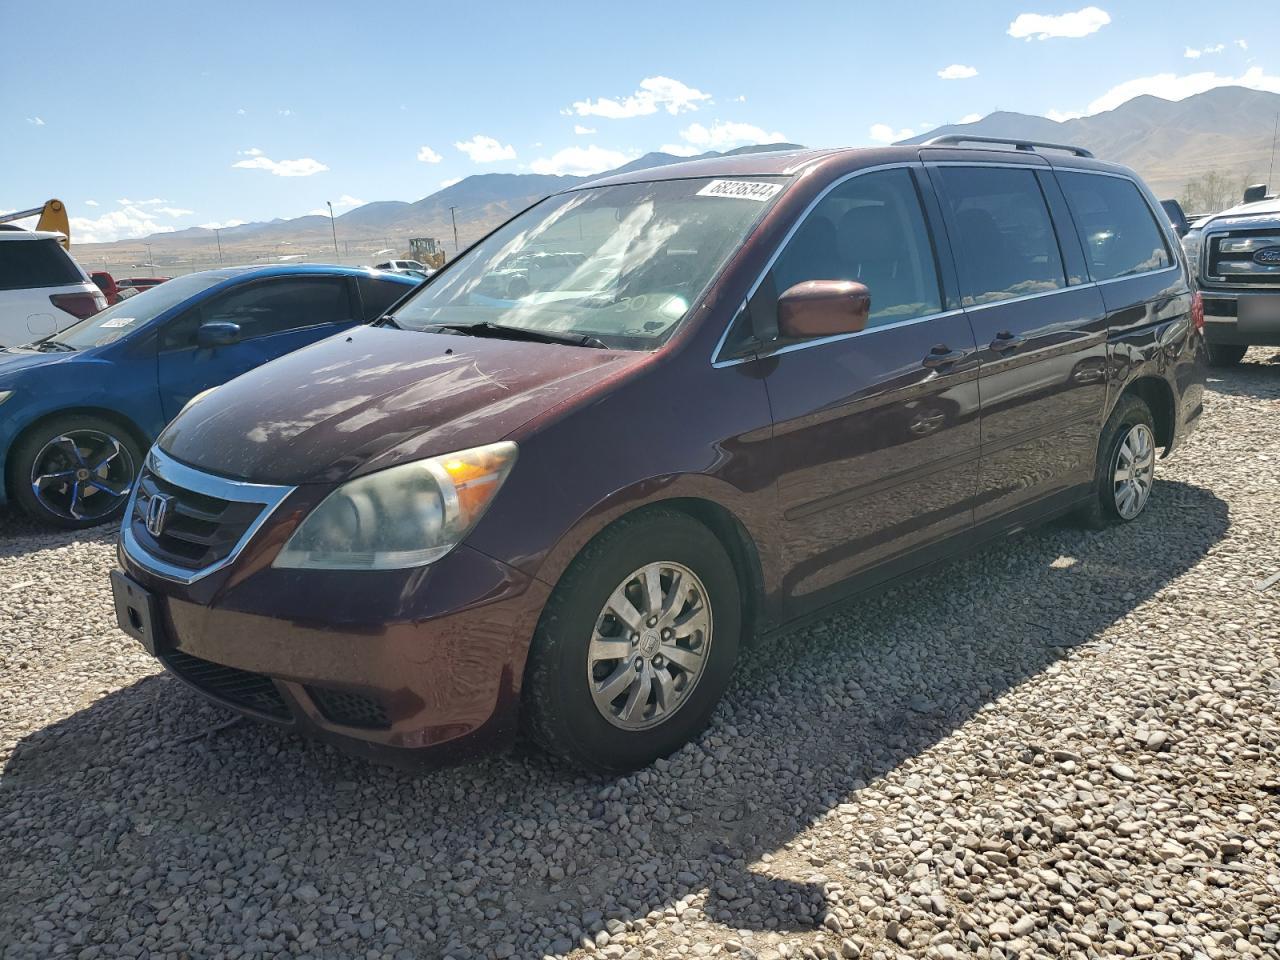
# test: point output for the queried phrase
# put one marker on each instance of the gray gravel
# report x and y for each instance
(1064, 746)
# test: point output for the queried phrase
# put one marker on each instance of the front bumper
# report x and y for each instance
(1224, 323)
(401, 666)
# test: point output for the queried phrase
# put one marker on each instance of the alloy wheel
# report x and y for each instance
(82, 475)
(650, 646)
(1134, 471)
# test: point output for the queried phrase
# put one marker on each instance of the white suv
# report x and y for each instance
(42, 290)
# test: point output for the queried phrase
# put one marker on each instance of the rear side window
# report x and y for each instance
(379, 294)
(1005, 241)
(868, 229)
(1118, 229)
(275, 306)
(35, 263)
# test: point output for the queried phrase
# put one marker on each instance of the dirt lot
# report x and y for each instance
(1063, 746)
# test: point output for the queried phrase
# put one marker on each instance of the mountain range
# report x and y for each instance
(1228, 131)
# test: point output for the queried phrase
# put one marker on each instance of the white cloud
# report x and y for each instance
(127, 222)
(654, 93)
(883, 133)
(482, 149)
(724, 134)
(251, 152)
(344, 202)
(1039, 26)
(957, 71)
(91, 203)
(450, 182)
(302, 167)
(35, 121)
(1191, 53)
(216, 225)
(240, 112)
(1171, 86)
(580, 161)
(970, 118)
(427, 155)
(1242, 44)
(680, 149)
(741, 98)
(153, 202)
(582, 131)
(1061, 116)
(286, 112)
(174, 211)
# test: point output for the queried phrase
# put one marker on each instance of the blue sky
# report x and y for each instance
(149, 116)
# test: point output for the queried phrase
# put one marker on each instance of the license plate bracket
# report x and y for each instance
(137, 613)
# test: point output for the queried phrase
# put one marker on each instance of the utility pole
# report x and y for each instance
(217, 233)
(454, 218)
(334, 227)
(151, 261)
(1271, 172)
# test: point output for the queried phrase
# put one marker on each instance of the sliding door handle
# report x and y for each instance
(1005, 341)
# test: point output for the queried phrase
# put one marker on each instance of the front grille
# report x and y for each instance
(350, 709)
(199, 529)
(1231, 258)
(242, 688)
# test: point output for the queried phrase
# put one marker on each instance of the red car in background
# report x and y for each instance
(117, 290)
(107, 284)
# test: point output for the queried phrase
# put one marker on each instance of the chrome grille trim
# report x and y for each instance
(206, 484)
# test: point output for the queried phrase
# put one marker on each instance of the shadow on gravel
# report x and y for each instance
(811, 720)
(20, 535)
(1258, 375)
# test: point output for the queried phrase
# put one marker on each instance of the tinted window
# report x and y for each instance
(1005, 242)
(1120, 234)
(132, 313)
(379, 294)
(275, 306)
(868, 229)
(35, 263)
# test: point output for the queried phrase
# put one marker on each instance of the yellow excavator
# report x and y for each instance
(53, 216)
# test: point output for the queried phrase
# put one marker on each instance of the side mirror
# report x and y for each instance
(823, 308)
(1177, 218)
(218, 333)
(1255, 192)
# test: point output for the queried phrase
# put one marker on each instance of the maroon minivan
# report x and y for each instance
(649, 419)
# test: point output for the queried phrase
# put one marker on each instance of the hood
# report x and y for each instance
(375, 397)
(1267, 211)
(13, 361)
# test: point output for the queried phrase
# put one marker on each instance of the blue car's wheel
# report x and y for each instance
(75, 471)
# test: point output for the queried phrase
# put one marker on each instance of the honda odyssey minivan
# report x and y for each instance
(651, 419)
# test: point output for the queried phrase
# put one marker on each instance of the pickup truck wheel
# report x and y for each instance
(636, 646)
(74, 471)
(1226, 354)
(1126, 466)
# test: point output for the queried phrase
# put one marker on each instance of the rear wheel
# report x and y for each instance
(1226, 354)
(1126, 466)
(637, 644)
(74, 471)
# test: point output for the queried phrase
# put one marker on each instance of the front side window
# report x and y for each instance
(620, 264)
(379, 294)
(1005, 242)
(869, 229)
(276, 306)
(1119, 232)
(134, 312)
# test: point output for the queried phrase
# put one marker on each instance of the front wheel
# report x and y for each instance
(74, 471)
(1126, 466)
(637, 644)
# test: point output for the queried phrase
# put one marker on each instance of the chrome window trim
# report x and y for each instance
(209, 485)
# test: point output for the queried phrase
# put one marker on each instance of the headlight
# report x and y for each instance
(1191, 246)
(405, 516)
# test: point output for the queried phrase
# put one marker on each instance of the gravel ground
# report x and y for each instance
(1063, 746)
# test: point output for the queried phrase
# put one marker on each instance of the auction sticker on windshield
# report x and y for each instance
(741, 189)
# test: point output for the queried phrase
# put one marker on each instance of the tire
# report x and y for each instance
(560, 712)
(1226, 354)
(1108, 506)
(90, 453)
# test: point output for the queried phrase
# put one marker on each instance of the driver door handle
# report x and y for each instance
(941, 356)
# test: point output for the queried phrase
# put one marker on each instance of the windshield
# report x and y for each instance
(130, 314)
(619, 264)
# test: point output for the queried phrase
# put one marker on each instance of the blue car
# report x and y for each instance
(79, 409)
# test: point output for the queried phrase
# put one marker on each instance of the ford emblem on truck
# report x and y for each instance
(1268, 256)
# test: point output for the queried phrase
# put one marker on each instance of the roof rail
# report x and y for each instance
(951, 139)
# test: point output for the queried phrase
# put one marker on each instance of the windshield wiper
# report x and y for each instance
(52, 346)
(502, 330)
